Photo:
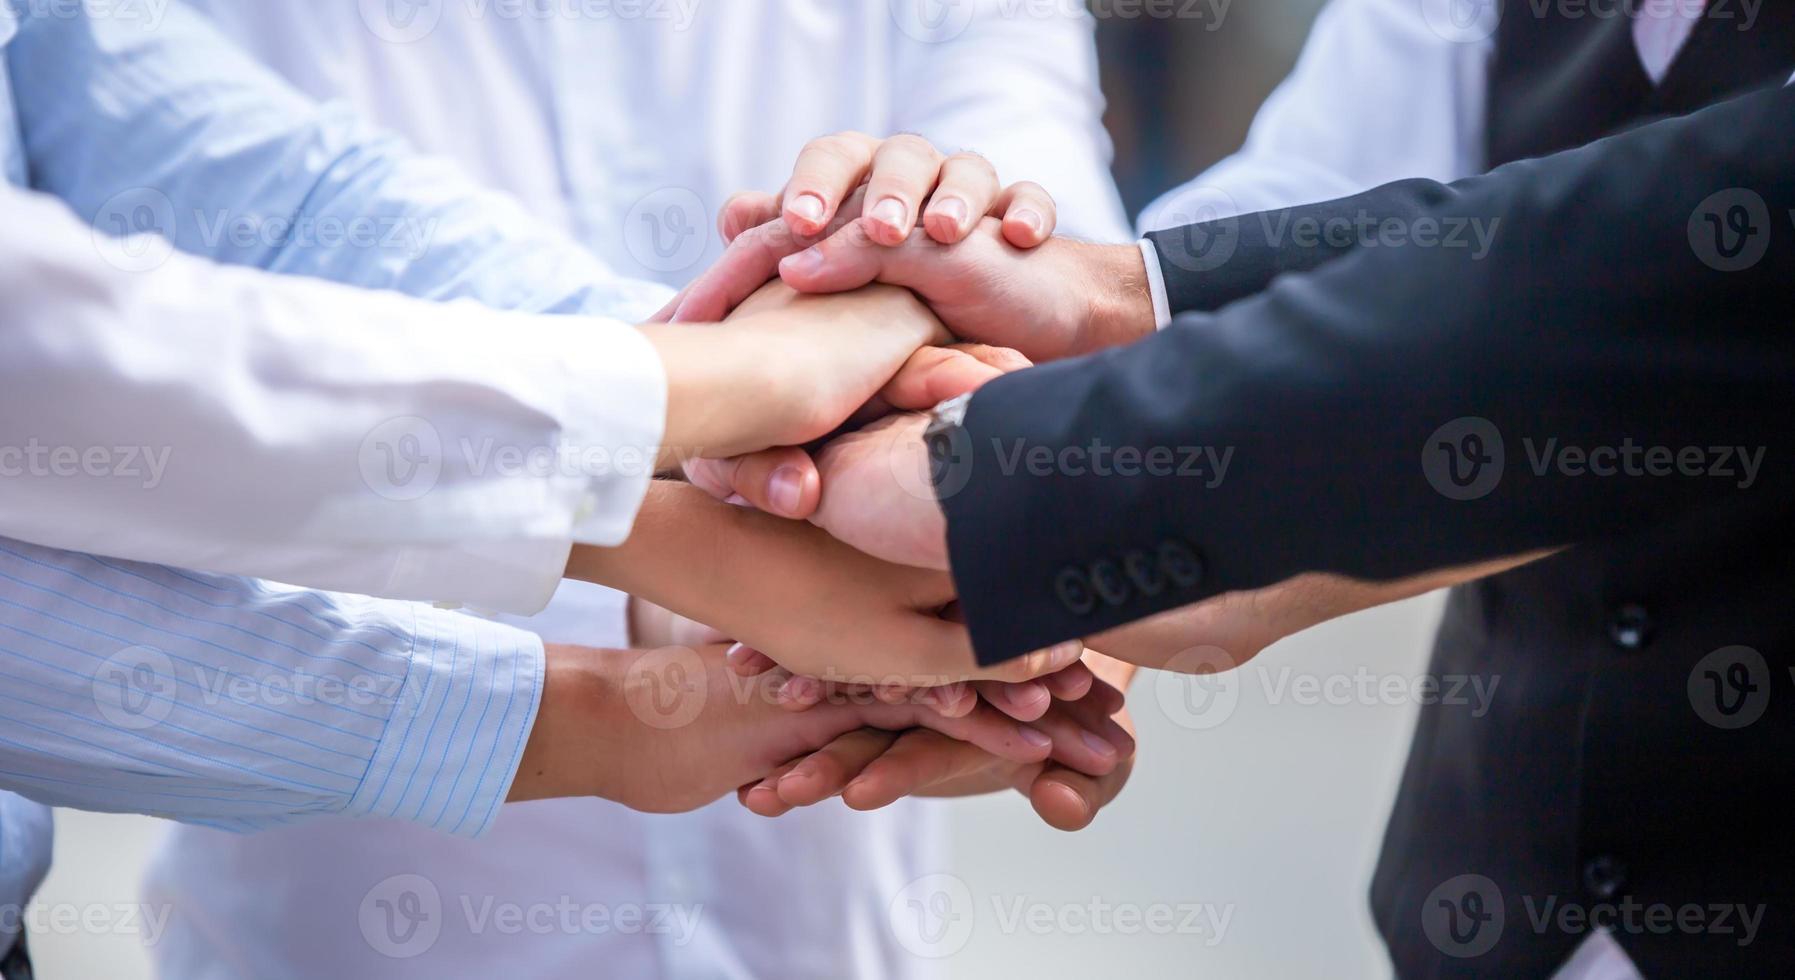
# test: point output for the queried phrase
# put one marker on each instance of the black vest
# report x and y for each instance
(1633, 764)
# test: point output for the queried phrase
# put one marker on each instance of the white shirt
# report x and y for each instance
(1387, 90)
(158, 407)
(621, 130)
(330, 440)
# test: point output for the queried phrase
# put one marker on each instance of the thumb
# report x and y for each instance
(935, 374)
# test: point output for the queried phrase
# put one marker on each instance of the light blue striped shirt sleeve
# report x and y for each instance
(242, 705)
(145, 118)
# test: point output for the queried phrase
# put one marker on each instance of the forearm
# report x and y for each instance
(578, 735)
(684, 544)
(1228, 630)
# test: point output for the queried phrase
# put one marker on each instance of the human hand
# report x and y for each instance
(1025, 701)
(785, 481)
(893, 177)
(869, 488)
(870, 769)
(784, 373)
(673, 729)
(1057, 300)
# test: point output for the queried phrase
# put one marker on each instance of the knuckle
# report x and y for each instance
(909, 144)
(969, 163)
(830, 153)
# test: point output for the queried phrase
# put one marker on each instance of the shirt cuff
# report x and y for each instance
(613, 424)
(458, 727)
(1156, 284)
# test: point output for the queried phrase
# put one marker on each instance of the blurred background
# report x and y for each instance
(1244, 844)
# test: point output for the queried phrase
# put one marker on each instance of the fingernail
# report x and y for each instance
(803, 263)
(804, 771)
(738, 655)
(800, 689)
(953, 209)
(1098, 745)
(890, 212)
(807, 206)
(1034, 736)
(785, 490)
(1029, 697)
(1030, 218)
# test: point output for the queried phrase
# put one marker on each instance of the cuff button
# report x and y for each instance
(1180, 564)
(1074, 592)
(1112, 585)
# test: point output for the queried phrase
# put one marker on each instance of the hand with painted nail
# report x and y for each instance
(1060, 299)
(902, 182)
(671, 729)
(1093, 755)
(852, 190)
(1025, 701)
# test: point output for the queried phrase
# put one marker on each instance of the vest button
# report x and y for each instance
(1605, 876)
(1074, 592)
(1631, 627)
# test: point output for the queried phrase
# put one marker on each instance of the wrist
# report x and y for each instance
(1120, 306)
(682, 545)
(566, 752)
(699, 362)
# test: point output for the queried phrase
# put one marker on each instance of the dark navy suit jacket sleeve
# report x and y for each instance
(1396, 408)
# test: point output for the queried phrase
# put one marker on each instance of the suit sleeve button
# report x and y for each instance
(1180, 564)
(1074, 591)
(1112, 585)
(1144, 572)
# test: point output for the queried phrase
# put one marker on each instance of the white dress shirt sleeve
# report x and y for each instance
(1385, 90)
(242, 705)
(230, 420)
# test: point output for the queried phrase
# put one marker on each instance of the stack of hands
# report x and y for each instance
(884, 279)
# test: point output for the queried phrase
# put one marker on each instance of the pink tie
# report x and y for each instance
(1659, 31)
